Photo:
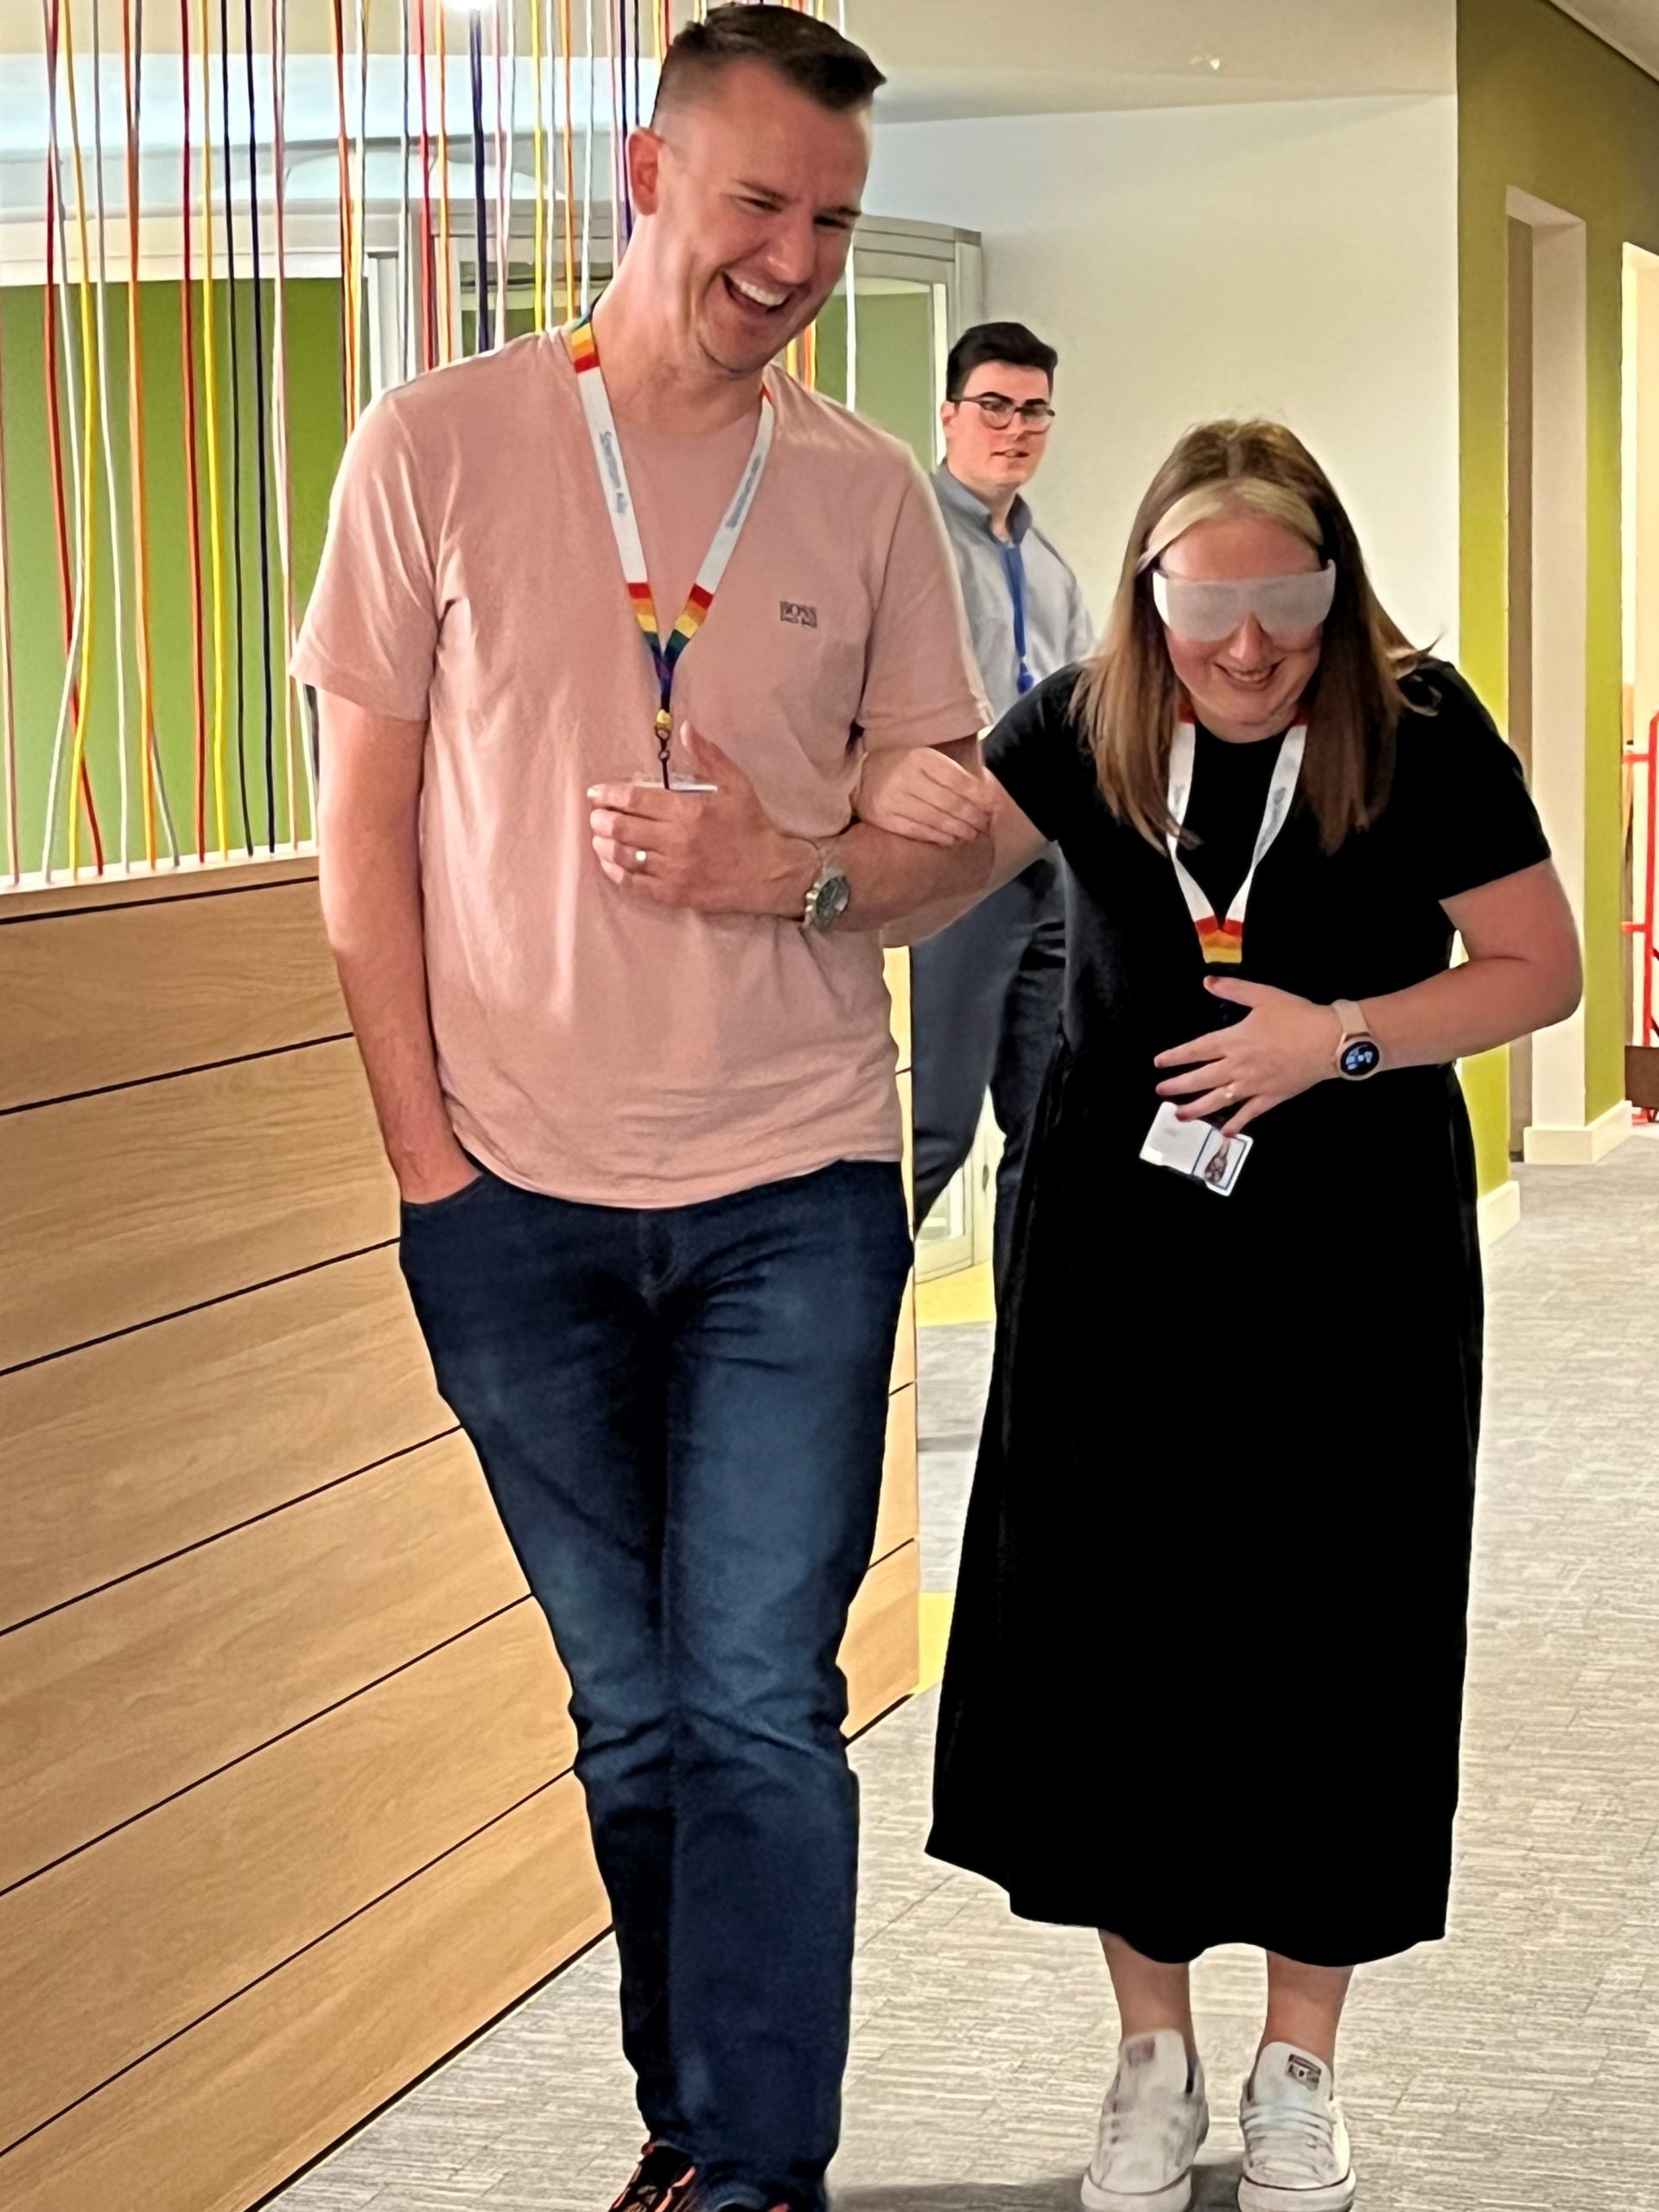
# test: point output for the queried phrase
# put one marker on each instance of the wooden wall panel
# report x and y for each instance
(234, 2106)
(108, 1706)
(881, 1656)
(135, 1204)
(904, 1349)
(897, 965)
(116, 1455)
(126, 1943)
(117, 996)
(897, 1521)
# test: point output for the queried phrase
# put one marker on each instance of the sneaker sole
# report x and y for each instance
(1257, 2197)
(1176, 2198)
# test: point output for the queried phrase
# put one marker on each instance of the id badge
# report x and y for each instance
(1197, 1150)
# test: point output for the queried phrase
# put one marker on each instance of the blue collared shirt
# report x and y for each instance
(1020, 585)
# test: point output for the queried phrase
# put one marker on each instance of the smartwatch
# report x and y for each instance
(1358, 1053)
(827, 901)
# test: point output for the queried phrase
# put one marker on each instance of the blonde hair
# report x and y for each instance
(1128, 695)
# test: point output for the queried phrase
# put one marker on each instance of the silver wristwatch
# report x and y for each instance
(827, 901)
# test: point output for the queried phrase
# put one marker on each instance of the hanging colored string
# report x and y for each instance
(215, 495)
(360, 212)
(8, 689)
(446, 287)
(428, 313)
(236, 422)
(124, 844)
(86, 467)
(481, 228)
(279, 402)
(405, 367)
(538, 250)
(153, 780)
(348, 252)
(261, 430)
(569, 143)
(60, 332)
(193, 517)
(587, 165)
(503, 186)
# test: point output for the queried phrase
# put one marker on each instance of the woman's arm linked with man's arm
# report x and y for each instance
(943, 797)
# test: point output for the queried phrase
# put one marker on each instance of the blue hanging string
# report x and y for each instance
(475, 51)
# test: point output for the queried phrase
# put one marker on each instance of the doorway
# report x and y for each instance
(1548, 568)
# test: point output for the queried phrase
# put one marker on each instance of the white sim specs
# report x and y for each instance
(1286, 606)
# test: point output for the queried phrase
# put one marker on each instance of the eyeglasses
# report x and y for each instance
(999, 411)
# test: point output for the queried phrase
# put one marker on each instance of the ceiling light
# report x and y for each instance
(1206, 61)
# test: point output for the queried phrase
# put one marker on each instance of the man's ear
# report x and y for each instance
(644, 159)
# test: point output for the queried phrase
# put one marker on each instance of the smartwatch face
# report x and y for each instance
(1362, 1057)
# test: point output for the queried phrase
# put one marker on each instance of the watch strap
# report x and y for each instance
(1352, 1018)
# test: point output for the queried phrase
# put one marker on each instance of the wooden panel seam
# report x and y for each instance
(169, 1074)
(200, 1305)
(368, 1905)
(232, 1528)
(252, 1750)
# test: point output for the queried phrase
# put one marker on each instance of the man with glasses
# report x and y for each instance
(986, 992)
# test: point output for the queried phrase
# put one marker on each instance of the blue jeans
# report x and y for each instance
(681, 1416)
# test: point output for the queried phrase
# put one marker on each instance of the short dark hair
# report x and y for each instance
(810, 55)
(997, 341)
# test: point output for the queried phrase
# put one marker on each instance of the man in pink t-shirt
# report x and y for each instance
(628, 1043)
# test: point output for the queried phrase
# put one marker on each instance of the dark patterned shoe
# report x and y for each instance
(662, 2181)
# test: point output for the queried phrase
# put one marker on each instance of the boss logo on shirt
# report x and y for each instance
(790, 610)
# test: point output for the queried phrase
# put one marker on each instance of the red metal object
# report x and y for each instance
(1644, 929)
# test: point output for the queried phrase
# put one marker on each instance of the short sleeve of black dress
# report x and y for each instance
(1460, 801)
(1037, 755)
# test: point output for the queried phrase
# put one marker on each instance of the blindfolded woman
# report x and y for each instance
(1205, 1679)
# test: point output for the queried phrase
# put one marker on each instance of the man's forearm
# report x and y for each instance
(371, 908)
(894, 878)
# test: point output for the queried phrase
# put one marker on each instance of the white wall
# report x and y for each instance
(1296, 259)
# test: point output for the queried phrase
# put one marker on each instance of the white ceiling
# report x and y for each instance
(997, 57)
(1631, 25)
(944, 58)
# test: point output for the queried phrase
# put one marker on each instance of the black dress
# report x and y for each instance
(1205, 1679)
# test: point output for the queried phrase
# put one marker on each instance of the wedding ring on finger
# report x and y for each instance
(641, 857)
(1230, 1094)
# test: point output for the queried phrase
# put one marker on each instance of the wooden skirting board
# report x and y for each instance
(286, 1809)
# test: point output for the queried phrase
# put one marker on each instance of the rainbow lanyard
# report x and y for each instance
(1221, 942)
(619, 503)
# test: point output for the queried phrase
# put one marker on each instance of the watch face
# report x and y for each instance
(1360, 1057)
(829, 901)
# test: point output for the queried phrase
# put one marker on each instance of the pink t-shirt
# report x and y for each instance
(592, 1044)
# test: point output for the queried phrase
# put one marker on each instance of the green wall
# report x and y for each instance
(895, 363)
(315, 441)
(1545, 106)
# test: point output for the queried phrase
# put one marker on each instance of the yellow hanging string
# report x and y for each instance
(569, 165)
(135, 467)
(88, 450)
(215, 497)
(360, 212)
(279, 394)
(447, 321)
(538, 260)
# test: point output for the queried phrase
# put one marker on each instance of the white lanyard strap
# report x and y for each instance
(618, 505)
(1222, 941)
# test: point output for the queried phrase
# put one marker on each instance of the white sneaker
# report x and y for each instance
(1296, 2152)
(1151, 2125)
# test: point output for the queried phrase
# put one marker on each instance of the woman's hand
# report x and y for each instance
(1283, 1046)
(922, 794)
